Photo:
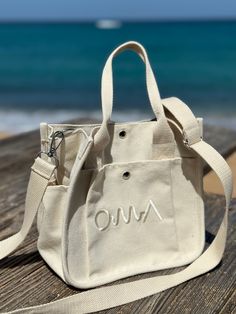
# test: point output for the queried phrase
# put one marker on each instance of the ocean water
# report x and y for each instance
(51, 72)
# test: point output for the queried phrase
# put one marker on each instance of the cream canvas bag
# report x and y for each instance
(119, 199)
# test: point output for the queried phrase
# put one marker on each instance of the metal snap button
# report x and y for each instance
(126, 175)
(122, 134)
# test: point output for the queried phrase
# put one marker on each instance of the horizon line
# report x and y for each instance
(122, 20)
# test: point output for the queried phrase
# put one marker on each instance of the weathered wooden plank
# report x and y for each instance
(26, 280)
(230, 305)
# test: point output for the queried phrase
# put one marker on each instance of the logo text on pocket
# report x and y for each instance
(104, 219)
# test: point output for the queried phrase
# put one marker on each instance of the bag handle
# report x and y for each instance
(101, 138)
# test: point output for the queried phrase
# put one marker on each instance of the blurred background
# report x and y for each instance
(52, 54)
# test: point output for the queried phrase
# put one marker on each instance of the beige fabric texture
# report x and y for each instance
(166, 189)
(123, 199)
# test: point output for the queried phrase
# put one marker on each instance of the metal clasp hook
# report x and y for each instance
(52, 150)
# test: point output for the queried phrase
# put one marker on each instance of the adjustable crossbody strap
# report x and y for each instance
(41, 173)
(115, 295)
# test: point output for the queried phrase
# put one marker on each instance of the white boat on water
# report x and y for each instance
(108, 24)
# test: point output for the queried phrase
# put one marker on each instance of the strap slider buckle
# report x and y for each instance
(188, 142)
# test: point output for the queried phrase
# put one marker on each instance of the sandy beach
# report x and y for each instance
(4, 135)
(212, 183)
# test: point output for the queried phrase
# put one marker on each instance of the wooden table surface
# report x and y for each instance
(25, 279)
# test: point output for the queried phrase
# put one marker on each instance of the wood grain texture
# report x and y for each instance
(26, 280)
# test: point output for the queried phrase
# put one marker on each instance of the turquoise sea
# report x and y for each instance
(52, 71)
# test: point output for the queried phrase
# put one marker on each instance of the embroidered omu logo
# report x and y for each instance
(104, 219)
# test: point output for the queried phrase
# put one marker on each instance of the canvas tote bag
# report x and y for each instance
(118, 199)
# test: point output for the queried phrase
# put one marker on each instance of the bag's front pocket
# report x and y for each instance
(51, 222)
(131, 219)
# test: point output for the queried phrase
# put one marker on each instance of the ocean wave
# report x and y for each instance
(17, 121)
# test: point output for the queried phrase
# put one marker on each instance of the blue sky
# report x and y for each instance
(125, 9)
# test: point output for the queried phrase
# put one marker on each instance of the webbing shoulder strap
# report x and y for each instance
(41, 172)
(115, 295)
